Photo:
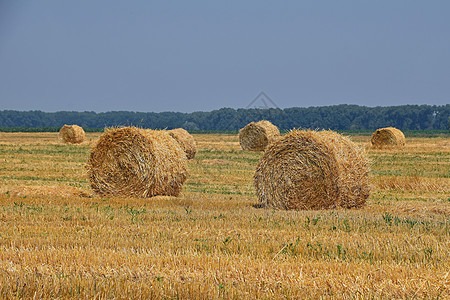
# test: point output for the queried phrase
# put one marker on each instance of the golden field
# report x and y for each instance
(59, 240)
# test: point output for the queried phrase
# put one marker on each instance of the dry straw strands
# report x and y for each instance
(388, 137)
(312, 170)
(257, 136)
(412, 183)
(134, 162)
(185, 140)
(72, 134)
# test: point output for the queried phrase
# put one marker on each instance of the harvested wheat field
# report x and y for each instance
(59, 239)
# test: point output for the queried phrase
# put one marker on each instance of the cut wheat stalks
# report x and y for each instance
(185, 140)
(312, 170)
(257, 136)
(388, 137)
(71, 134)
(134, 162)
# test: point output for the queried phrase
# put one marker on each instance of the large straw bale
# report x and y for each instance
(312, 170)
(72, 134)
(185, 140)
(134, 162)
(257, 136)
(388, 137)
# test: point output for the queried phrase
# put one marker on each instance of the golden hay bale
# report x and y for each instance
(257, 136)
(388, 137)
(185, 140)
(72, 134)
(312, 170)
(133, 162)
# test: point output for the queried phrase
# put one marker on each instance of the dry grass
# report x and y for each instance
(60, 240)
(411, 183)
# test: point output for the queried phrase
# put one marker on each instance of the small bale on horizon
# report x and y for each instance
(312, 170)
(388, 137)
(134, 162)
(257, 136)
(72, 134)
(186, 141)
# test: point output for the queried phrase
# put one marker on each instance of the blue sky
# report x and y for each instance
(144, 55)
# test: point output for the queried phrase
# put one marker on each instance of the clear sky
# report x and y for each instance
(144, 55)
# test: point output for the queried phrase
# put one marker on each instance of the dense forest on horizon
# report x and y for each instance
(337, 117)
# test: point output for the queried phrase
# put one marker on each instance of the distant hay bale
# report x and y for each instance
(72, 134)
(388, 137)
(133, 162)
(312, 170)
(185, 140)
(257, 136)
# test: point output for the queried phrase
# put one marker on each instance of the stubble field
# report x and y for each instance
(59, 240)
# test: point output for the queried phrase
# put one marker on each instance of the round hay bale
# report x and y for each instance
(133, 162)
(257, 136)
(185, 140)
(72, 134)
(312, 170)
(388, 137)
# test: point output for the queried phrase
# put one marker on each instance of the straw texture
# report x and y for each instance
(257, 136)
(133, 162)
(185, 140)
(388, 137)
(312, 170)
(72, 134)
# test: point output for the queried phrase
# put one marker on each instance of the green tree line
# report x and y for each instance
(337, 117)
